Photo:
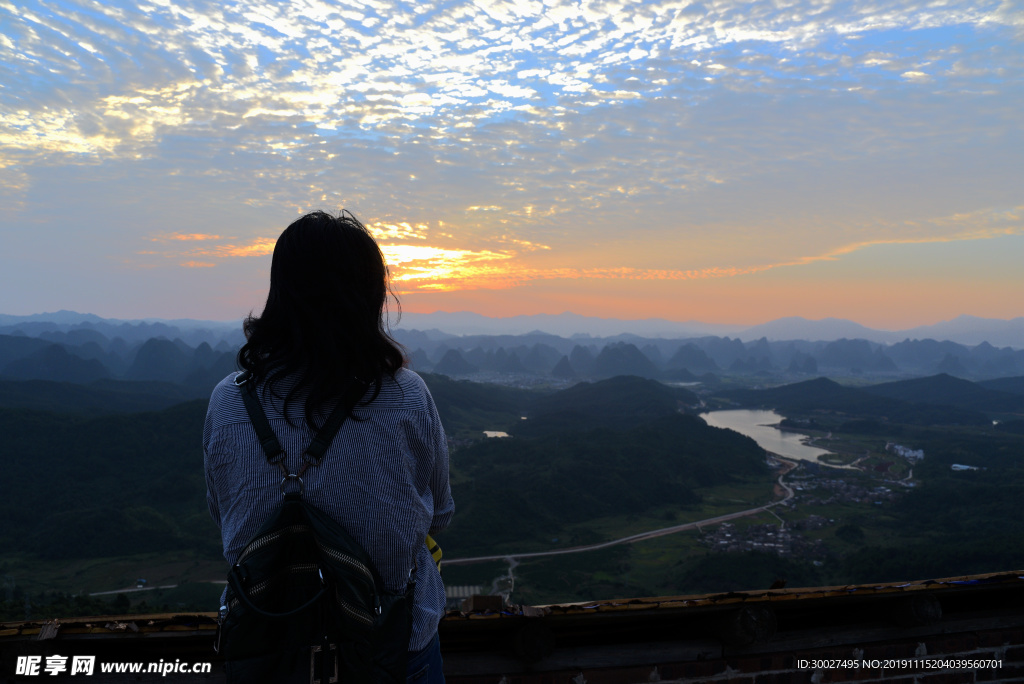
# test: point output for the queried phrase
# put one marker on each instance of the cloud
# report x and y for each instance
(980, 225)
(131, 76)
(397, 231)
(188, 237)
(256, 247)
(501, 132)
(423, 267)
(427, 268)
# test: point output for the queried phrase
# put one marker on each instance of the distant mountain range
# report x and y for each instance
(967, 330)
(564, 324)
(82, 348)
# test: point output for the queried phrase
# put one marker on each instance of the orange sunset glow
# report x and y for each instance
(734, 163)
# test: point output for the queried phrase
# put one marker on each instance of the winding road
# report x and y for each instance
(781, 485)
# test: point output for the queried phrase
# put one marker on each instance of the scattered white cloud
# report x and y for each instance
(556, 121)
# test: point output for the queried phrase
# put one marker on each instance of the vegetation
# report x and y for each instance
(527, 490)
(597, 461)
(104, 486)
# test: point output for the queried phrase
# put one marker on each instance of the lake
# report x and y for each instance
(757, 426)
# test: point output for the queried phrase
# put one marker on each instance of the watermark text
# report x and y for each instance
(37, 666)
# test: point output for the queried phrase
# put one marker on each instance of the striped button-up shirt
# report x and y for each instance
(384, 478)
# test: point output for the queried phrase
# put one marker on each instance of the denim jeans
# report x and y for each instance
(425, 667)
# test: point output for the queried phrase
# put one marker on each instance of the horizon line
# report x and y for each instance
(739, 326)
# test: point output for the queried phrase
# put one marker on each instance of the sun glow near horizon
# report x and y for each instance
(731, 160)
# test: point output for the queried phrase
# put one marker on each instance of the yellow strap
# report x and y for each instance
(435, 551)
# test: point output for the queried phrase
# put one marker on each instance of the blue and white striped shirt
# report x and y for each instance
(384, 478)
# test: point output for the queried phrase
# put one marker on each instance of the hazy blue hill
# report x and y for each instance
(822, 394)
(511, 364)
(855, 354)
(202, 356)
(723, 350)
(582, 360)
(803, 363)
(115, 361)
(416, 339)
(619, 402)
(693, 359)
(761, 365)
(948, 390)
(541, 358)
(563, 369)
(479, 357)
(55, 318)
(797, 327)
(205, 377)
(161, 360)
(74, 324)
(95, 398)
(14, 347)
(951, 365)
(653, 353)
(497, 359)
(76, 337)
(679, 375)
(419, 361)
(974, 330)
(923, 354)
(53, 362)
(1014, 385)
(760, 349)
(526, 340)
(452, 363)
(623, 358)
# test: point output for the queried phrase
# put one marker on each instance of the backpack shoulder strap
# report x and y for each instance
(324, 436)
(268, 440)
(314, 454)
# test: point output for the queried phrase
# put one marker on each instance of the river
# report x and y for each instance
(758, 425)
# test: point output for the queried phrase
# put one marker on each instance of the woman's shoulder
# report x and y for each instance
(226, 388)
(406, 390)
(226, 404)
(406, 377)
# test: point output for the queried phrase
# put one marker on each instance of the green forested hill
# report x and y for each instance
(80, 486)
(951, 391)
(95, 398)
(471, 407)
(613, 447)
(106, 485)
(622, 401)
(822, 394)
(86, 486)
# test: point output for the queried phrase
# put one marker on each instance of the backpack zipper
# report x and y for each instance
(257, 544)
(260, 587)
(354, 612)
(347, 560)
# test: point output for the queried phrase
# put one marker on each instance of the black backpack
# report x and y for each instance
(304, 590)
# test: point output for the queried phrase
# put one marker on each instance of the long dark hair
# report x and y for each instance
(324, 325)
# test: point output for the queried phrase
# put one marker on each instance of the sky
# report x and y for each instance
(727, 162)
